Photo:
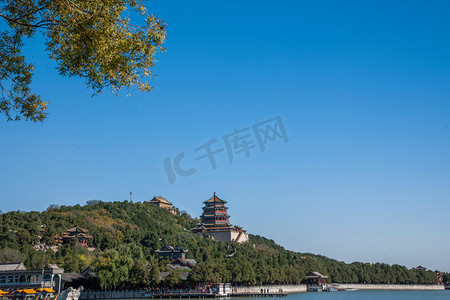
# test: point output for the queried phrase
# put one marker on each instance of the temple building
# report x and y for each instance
(163, 203)
(171, 253)
(215, 222)
(176, 256)
(80, 235)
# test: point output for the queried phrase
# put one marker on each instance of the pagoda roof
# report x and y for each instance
(214, 207)
(85, 235)
(77, 229)
(214, 198)
(170, 249)
(220, 214)
(219, 228)
(160, 200)
(239, 228)
(217, 223)
(77, 235)
(226, 223)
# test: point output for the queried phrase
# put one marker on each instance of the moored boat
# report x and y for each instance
(315, 289)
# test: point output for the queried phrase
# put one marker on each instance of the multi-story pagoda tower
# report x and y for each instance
(215, 214)
(215, 222)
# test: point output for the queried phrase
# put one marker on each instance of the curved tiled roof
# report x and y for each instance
(214, 198)
(12, 267)
(77, 229)
(221, 214)
(160, 200)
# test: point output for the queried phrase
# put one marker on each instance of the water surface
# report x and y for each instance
(367, 295)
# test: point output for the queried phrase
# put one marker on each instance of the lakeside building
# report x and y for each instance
(75, 280)
(163, 203)
(315, 278)
(171, 253)
(215, 222)
(17, 277)
(80, 235)
(177, 257)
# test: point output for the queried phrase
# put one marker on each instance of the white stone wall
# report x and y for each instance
(234, 235)
(229, 236)
(242, 238)
(391, 286)
(285, 288)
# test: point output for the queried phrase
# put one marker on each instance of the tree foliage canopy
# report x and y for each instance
(92, 39)
(126, 235)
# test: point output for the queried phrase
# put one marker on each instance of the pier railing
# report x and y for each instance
(116, 294)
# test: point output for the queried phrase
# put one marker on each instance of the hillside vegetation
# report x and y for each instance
(126, 235)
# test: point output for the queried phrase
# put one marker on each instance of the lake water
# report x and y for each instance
(368, 295)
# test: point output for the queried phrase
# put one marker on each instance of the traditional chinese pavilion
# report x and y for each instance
(80, 235)
(171, 253)
(163, 203)
(215, 222)
(215, 214)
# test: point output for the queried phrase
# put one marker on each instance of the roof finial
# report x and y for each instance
(214, 194)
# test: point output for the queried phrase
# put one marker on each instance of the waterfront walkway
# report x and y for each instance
(182, 295)
(279, 294)
(212, 295)
(142, 294)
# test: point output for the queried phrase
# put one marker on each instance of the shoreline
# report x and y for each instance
(301, 288)
(416, 287)
(285, 288)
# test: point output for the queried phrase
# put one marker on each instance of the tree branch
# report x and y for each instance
(40, 24)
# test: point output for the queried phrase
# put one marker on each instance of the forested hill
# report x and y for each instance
(126, 235)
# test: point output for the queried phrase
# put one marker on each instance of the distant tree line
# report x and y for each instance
(126, 235)
(446, 278)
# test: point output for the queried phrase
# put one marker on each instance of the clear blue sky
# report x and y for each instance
(362, 88)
